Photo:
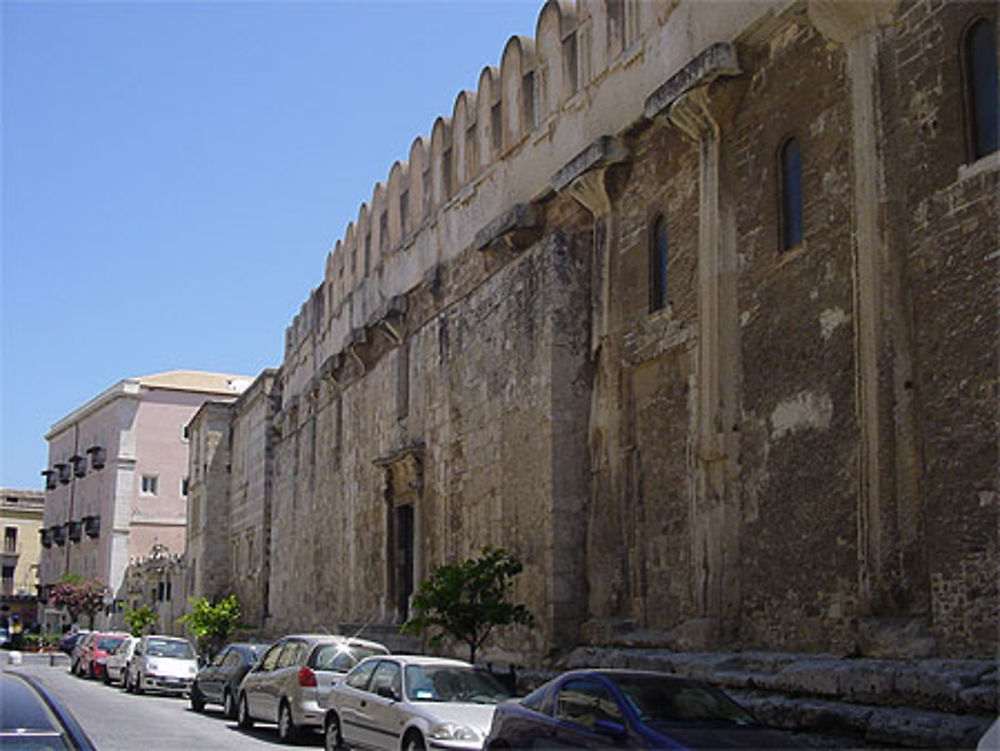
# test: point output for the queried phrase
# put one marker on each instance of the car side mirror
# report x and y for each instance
(607, 727)
(387, 692)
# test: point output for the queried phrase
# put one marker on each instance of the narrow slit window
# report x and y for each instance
(981, 89)
(658, 266)
(791, 195)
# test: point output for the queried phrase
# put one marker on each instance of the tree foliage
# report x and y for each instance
(467, 600)
(212, 623)
(80, 596)
(140, 619)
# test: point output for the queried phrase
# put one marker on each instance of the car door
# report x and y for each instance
(284, 678)
(587, 716)
(383, 727)
(350, 700)
(255, 683)
(208, 676)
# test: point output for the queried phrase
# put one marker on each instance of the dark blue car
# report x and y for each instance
(627, 709)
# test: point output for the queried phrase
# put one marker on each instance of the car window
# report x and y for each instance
(220, 657)
(177, 648)
(655, 699)
(358, 678)
(340, 657)
(109, 643)
(452, 683)
(232, 659)
(539, 701)
(585, 703)
(292, 654)
(271, 658)
(387, 675)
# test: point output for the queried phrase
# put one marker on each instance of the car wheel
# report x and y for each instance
(137, 683)
(243, 717)
(197, 700)
(228, 705)
(107, 677)
(288, 732)
(414, 742)
(331, 736)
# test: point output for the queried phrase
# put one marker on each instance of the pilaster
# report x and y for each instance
(715, 504)
(888, 501)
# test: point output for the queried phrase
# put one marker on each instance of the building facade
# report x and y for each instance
(690, 305)
(21, 513)
(117, 480)
(229, 501)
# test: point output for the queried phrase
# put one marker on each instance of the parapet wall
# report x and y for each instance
(586, 74)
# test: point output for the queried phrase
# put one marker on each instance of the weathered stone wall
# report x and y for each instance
(798, 428)
(798, 452)
(206, 551)
(248, 525)
(943, 218)
(496, 468)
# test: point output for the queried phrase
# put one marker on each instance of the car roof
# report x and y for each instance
(428, 661)
(28, 706)
(22, 708)
(335, 639)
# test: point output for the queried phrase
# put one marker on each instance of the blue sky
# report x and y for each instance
(174, 174)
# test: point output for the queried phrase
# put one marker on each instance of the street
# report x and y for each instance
(117, 721)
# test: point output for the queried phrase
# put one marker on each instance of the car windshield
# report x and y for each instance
(108, 643)
(341, 657)
(656, 699)
(453, 684)
(170, 648)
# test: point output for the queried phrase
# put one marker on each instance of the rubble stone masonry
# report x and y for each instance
(798, 451)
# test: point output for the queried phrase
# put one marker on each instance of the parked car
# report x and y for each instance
(288, 683)
(114, 668)
(31, 717)
(69, 640)
(219, 681)
(161, 663)
(412, 703)
(93, 653)
(628, 709)
(77, 652)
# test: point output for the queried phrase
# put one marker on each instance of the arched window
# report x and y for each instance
(791, 194)
(981, 96)
(658, 266)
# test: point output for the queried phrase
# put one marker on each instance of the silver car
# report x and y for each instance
(288, 684)
(167, 664)
(114, 669)
(412, 703)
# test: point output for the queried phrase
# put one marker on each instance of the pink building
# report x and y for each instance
(116, 484)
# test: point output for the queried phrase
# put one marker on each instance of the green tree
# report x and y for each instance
(140, 619)
(80, 596)
(467, 600)
(212, 623)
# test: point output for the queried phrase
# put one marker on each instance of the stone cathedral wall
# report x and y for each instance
(797, 451)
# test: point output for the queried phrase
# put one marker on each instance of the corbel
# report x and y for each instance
(583, 175)
(515, 230)
(715, 61)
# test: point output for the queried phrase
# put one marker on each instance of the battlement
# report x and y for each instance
(585, 75)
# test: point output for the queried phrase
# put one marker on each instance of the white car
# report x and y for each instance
(114, 668)
(161, 663)
(412, 703)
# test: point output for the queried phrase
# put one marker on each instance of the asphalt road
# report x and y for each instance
(117, 721)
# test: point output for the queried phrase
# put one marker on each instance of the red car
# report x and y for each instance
(94, 653)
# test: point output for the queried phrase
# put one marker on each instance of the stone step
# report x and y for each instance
(896, 726)
(956, 686)
(905, 703)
